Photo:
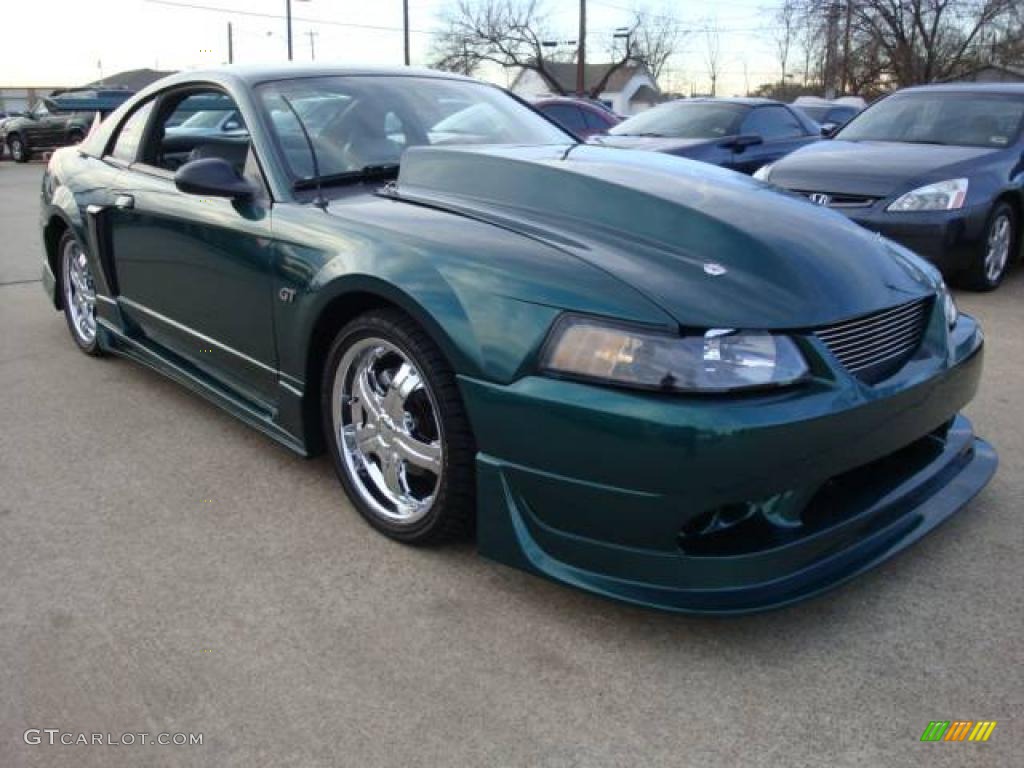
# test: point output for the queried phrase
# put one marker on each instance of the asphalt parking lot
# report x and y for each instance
(164, 568)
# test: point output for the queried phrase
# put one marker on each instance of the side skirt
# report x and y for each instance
(113, 340)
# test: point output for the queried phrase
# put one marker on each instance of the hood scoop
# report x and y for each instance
(711, 247)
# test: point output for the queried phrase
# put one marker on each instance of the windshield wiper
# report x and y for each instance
(366, 173)
(925, 141)
(647, 134)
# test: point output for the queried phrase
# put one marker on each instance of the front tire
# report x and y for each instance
(78, 294)
(18, 149)
(75, 137)
(397, 430)
(997, 249)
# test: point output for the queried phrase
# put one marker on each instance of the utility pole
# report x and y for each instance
(288, 21)
(845, 84)
(405, 28)
(312, 44)
(231, 45)
(581, 55)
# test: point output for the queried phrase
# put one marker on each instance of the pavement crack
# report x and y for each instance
(20, 282)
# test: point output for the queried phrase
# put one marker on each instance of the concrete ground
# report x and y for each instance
(164, 568)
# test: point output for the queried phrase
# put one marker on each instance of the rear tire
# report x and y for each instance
(397, 430)
(997, 250)
(18, 149)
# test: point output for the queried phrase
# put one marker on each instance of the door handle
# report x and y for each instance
(124, 202)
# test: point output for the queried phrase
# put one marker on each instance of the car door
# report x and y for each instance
(780, 131)
(38, 128)
(194, 272)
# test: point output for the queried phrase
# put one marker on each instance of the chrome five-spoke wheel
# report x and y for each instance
(388, 430)
(398, 433)
(79, 293)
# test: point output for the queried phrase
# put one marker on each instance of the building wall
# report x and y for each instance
(994, 75)
(22, 99)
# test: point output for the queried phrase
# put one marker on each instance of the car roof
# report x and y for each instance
(1015, 89)
(252, 74)
(746, 101)
(564, 100)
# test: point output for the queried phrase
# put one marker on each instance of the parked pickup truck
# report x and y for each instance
(59, 120)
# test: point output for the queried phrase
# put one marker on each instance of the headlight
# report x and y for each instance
(762, 173)
(720, 360)
(941, 196)
(948, 305)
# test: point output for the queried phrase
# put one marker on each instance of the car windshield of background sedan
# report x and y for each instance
(684, 121)
(357, 122)
(940, 117)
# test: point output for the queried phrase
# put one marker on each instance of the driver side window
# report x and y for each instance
(194, 125)
(772, 124)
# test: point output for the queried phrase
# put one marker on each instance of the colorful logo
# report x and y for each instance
(958, 730)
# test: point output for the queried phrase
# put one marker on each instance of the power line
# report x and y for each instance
(257, 14)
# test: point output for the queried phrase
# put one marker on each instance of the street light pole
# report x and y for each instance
(288, 18)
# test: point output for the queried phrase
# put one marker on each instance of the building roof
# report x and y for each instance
(564, 73)
(131, 79)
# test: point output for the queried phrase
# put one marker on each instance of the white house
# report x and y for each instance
(629, 90)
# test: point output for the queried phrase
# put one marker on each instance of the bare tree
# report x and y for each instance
(657, 37)
(510, 33)
(787, 18)
(868, 46)
(926, 40)
(516, 33)
(712, 51)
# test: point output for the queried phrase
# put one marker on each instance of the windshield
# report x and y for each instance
(357, 122)
(964, 119)
(679, 120)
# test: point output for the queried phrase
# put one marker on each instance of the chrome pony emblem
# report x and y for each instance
(820, 198)
(714, 269)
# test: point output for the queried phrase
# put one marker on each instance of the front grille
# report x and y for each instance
(875, 346)
(840, 201)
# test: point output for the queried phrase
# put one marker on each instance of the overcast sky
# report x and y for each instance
(69, 42)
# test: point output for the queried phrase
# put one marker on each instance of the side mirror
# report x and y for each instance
(828, 130)
(740, 143)
(212, 177)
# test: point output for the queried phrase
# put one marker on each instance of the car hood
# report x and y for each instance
(651, 143)
(868, 168)
(711, 247)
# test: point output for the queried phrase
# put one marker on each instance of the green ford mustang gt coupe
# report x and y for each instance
(650, 378)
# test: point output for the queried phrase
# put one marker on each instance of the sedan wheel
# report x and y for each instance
(996, 251)
(997, 247)
(18, 151)
(399, 435)
(78, 294)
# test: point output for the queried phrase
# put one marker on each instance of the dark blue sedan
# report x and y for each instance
(741, 134)
(940, 168)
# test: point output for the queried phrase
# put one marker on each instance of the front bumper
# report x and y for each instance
(723, 505)
(948, 239)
